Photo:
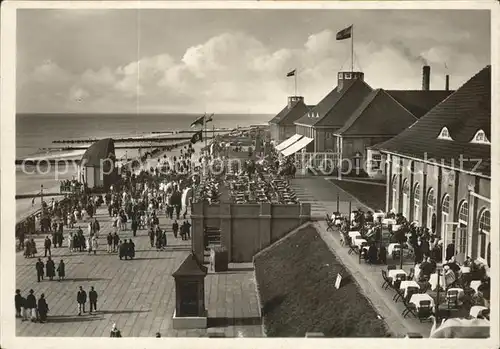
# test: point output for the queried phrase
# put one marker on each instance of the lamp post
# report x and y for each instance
(41, 195)
(438, 271)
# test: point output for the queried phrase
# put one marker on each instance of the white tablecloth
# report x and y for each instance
(417, 271)
(476, 310)
(405, 284)
(353, 234)
(388, 221)
(460, 291)
(392, 247)
(474, 284)
(338, 222)
(395, 272)
(359, 242)
(417, 298)
(465, 270)
(434, 279)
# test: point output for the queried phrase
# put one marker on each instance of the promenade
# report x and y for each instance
(322, 195)
(138, 295)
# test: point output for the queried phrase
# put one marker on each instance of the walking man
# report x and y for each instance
(39, 269)
(18, 303)
(110, 242)
(31, 305)
(81, 298)
(96, 227)
(47, 245)
(151, 234)
(175, 228)
(61, 270)
(116, 240)
(50, 269)
(93, 299)
(43, 308)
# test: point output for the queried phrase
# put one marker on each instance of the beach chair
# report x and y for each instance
(330, 223)
(387, 281)
(410, 308)
(391, 267)
(452, 299)
(412, 274)
(426, 288)
(353, 249)
(424, 311)
(399, 293)
(410, 291)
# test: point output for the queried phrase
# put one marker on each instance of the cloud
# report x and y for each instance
(235, 72)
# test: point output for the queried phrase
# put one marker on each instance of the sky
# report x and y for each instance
(232, 61)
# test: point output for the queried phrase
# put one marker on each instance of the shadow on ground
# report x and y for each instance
(226, 321)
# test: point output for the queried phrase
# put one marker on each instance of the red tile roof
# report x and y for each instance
(378, 114)
(464, 112)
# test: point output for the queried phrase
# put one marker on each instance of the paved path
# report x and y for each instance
(322, 195)
(138, 295)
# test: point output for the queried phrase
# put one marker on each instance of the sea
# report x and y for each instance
(34, 132)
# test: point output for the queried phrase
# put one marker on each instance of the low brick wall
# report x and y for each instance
(246, 228)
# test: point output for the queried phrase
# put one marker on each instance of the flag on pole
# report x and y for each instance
(197, 137)
(198, 121)
(292, 73)
(209, 118)
(344, 33)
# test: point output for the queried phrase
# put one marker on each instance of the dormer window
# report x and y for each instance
(480, 138)
(445, 134)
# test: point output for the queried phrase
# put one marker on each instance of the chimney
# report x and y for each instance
(447, 84)
(294, 99)
(426, 77)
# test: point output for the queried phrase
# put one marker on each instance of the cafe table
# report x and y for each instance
(419, 297)
(393, 274)
(408, 283)
(353, 234)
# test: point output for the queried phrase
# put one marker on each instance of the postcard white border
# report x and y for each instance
(8, 180)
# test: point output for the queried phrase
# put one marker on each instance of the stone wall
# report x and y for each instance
(246, 228)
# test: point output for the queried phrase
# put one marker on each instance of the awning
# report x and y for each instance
(295, 147)
(288, 142)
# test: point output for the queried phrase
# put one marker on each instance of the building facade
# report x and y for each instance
(438, 171)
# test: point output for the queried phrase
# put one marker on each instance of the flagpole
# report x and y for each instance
(352, 48)
(205, 129)
(295, 78)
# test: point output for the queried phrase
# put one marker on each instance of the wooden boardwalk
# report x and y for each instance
(138, 295)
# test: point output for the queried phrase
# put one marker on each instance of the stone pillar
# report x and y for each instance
(423, 201)
(305, 212)
(265, 217)
(411, 195)
(226, 228)
(473, 221)
(388, 183)
(198, 231)
(439, 201)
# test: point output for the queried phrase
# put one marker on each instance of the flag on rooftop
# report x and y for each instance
(209, 118)
(292, 73)
(197, 137)
(198, 121)
(344, 33)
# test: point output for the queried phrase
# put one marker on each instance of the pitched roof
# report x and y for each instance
(287, 116)
(100, 150)
(378, 114)
(419, 102)
(336, 106)
(464, 112)
(190, 267)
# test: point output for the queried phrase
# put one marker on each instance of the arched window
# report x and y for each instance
(445, 211)
(484, 234)
(445, 134)
(480, 138)
(431, 199)
(445, 206)
(416, 202)
(406, 187)
(463, 212)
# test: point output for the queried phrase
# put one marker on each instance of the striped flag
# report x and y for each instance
(344, 33)
(198, 121)
(292, 73)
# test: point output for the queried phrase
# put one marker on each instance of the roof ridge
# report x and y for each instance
(402, 106)
(342, 94)
(359, 111)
